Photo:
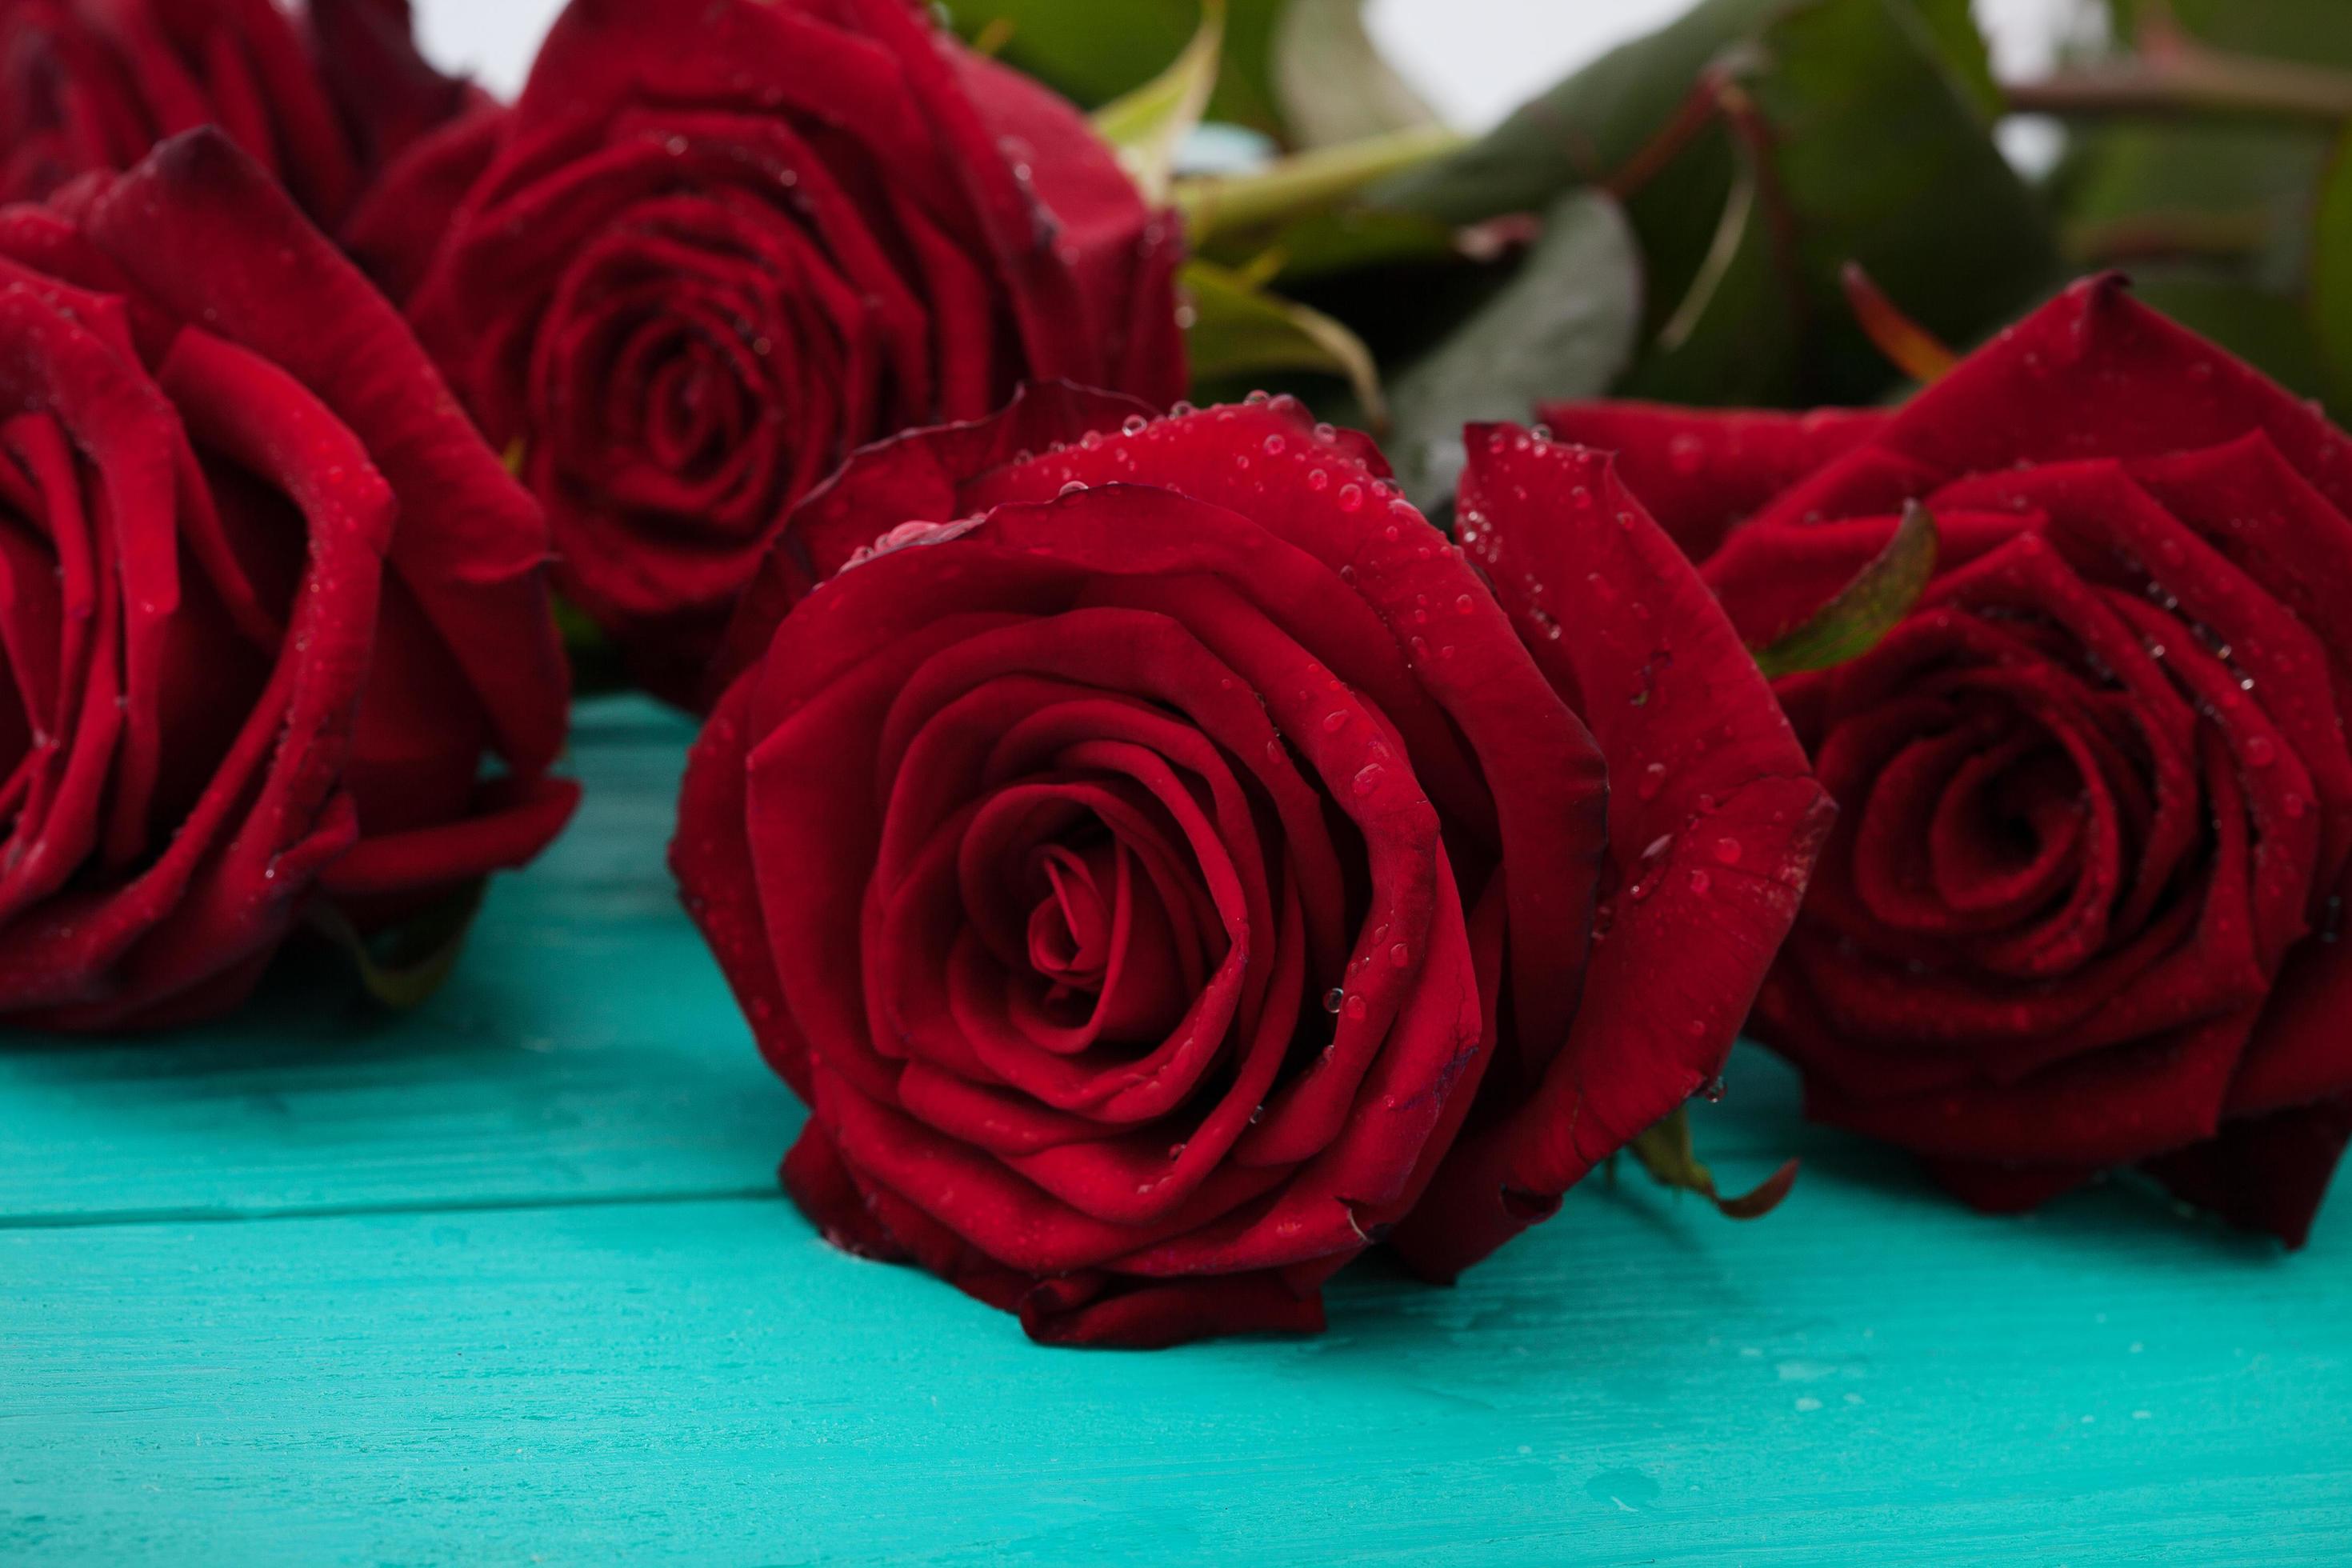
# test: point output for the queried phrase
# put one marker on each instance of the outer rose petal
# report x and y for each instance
(2268, 1173)
(916, 477)
(201, 230)
(2092, 374)
(708, 857)
(1702, 472)
(1714, 822)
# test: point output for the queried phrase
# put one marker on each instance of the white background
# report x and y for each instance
(1475, 60)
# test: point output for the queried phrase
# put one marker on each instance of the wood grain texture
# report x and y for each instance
(508, 1281)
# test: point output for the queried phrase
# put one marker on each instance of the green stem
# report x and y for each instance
(1219, 204)
(2191, 80)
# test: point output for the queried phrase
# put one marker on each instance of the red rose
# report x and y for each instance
(1164, 872)
(268, 600)
(2083, 907)
(711, 259)
(321, 99)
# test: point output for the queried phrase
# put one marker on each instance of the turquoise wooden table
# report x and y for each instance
(510, 1280)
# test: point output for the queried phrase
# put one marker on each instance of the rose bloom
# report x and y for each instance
(710, 259)
(1165, 869)
(322, 98)
(2082, 908)
(268, 600)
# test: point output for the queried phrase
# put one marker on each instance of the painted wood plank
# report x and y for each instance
(510, 1278)
(586, 1049)
(1867, 1379)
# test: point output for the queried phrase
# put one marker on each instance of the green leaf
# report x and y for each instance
(1239, 331)
(1303, 80)
(1669, 1152)
(1148, 127)
(2331, 273)
(1330, 80)
(1760, 146)
(1871, 605)
(1590, 127)
(1952, 26)
(1564, 326)
(1878, 158)
(1585, 129)
(1094, 52)
(402, 968)
(1734, 335)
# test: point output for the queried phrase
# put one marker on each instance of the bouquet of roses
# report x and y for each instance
(1171, 850)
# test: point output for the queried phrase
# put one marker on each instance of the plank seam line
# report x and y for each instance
(96, 1219)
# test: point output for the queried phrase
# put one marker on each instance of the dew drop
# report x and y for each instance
(1333, 1000)
(1401, 955)
(1356, 1007)
(2260, 752)
(1334, 723)
(1727, 851)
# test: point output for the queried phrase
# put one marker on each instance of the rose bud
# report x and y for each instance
(322, 98)
(2082, 908)
(710, 260)
(1164, 871)
(267, 601)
